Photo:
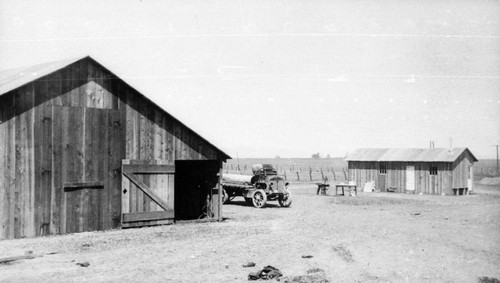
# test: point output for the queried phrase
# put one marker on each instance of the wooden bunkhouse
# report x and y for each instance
(82, 150)
(428, 171)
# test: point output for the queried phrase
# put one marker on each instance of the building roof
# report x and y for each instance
(408, 154)
(12, 79)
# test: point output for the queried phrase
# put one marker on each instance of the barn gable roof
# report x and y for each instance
(408, 154)
(13, 79)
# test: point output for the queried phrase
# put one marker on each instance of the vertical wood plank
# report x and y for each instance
(23, 174)
(111, 85)
(157, 136)
(143, 150)
(88, 145)
(117, 153)
(103, 174)
(169, 128)
(81, 83)
(74, 152)
(171, 192)
(3, 157)
(45, 187)
(65, 94)
(125, 192)
(97, 168)
(90, 86)
(57, 194)
(38, 166)
(74, 91)
(10, 182)
(153, 185)
(19, 194)
(102, 100)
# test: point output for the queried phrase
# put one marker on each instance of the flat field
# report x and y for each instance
(374, 237)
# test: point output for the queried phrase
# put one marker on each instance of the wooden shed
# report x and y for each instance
(428, 171)
(82, 150)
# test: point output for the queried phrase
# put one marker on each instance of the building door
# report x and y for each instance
(470, 179)
(80, 158)
(410, 178)
(381, 182)
(197, 190)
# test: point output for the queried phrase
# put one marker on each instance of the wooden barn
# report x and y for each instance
(82, 150)
(427, 171)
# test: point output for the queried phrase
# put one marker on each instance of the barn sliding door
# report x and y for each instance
(78, 163)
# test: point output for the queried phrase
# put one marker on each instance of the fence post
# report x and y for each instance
(322, 175)
(310, 173)
(334, 177)
(298, 178)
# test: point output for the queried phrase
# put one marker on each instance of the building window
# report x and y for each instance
(433, 170)
(383, 168)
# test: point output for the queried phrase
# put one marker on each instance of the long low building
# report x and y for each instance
(429, 171)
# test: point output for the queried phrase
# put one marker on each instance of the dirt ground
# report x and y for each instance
(375, 237)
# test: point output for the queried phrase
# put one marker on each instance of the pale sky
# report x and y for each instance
(288, 78)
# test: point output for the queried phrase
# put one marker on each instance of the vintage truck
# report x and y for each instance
(265, 185)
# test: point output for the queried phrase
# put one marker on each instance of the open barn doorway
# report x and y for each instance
(197, 190)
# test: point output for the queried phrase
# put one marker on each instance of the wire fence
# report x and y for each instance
(296, 173)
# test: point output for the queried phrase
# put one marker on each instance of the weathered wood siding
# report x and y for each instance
(153, 134)
(17, 175)
(433, 184)
(443, 182)
(75, 126)
(362, 172)
(134, 200)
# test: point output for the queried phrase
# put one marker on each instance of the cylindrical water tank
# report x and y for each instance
(237, 179)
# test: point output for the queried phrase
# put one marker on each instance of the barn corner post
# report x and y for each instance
(219, 191)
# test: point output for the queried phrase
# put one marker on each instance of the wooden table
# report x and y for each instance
(346, 186)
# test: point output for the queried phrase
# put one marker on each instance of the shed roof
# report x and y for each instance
(12, 79)
(408, 154)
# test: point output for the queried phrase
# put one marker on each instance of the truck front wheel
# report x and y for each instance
(285, 200)
(259, 198)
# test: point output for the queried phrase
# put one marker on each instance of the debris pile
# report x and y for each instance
(267, 273)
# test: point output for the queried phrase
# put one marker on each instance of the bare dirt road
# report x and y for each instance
(375, 237)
